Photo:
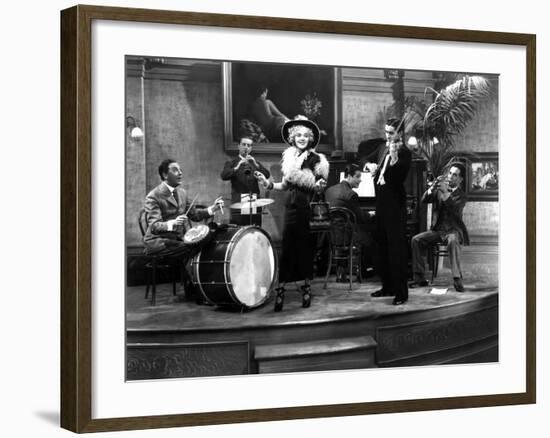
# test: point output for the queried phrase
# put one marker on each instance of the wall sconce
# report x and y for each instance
(413, 142)
(136, 131)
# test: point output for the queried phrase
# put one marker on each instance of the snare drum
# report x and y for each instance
(238, 267)
(197, 235)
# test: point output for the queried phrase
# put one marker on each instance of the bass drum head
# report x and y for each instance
(252, 267)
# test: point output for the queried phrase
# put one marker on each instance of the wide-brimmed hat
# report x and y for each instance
(301, 122)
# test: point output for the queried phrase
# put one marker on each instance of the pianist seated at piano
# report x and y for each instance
(344, 195)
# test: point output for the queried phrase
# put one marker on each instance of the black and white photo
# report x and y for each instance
(300, 218)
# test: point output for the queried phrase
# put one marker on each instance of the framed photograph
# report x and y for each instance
(197, 289)
(483, 176)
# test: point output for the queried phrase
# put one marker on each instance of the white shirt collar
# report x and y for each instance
(169, 186)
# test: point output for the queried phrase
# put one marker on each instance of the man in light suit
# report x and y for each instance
(447, 226)
(165, 206)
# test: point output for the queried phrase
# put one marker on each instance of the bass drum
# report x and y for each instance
(238, 267)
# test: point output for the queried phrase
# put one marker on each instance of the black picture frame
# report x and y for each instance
(482, 176)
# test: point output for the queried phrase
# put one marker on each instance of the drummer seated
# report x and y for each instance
(168, 213)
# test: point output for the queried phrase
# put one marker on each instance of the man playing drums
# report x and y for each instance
(168, 211)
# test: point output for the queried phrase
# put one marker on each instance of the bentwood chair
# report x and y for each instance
(437, 252)
(342, 246)
(154, 263)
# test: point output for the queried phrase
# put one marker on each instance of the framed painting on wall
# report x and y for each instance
(264, 95)
(483, 176)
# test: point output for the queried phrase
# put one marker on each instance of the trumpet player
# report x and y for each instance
(241, 172)
(448, 200)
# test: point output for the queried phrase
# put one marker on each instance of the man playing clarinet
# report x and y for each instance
(240, 171)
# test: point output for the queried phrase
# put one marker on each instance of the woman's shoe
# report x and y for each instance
(279, 299)
(306, 295)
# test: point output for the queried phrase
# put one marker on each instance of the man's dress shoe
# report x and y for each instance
(399, 301)
(418, 283)
(381, 293)
(459, 287)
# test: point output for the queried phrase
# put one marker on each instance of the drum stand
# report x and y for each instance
(249, 183)
(249, 209)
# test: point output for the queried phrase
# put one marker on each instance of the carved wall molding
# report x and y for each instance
(172, 69)
(161, 361)
(404, 340)
(374, 81)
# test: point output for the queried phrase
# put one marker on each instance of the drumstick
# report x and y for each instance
(191, 205)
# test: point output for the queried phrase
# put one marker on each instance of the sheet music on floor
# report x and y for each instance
(438, 291)
(366, 186)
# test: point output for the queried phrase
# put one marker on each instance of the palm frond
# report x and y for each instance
(455, 105)
(446, 117)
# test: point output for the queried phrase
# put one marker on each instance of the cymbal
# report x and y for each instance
(261, 202)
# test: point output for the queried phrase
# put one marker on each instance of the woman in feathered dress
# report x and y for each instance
(305, 173)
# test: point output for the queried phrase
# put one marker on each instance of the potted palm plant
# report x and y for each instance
(435, 127)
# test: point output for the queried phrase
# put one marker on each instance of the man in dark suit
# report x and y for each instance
(391, 213)
(240, 171)
(343, 195)
(448, 201)
(166, 206)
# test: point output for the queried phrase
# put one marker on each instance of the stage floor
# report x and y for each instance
(336, 302)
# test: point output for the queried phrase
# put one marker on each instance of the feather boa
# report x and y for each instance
(293, 173)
